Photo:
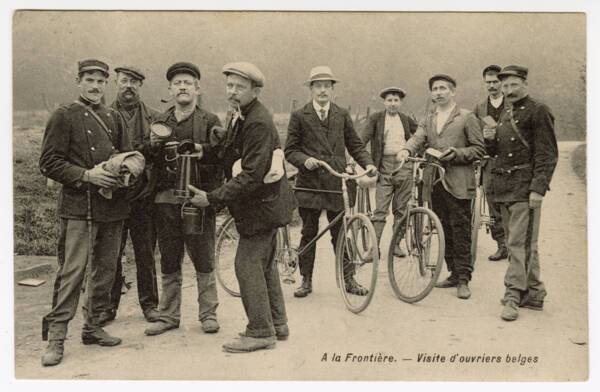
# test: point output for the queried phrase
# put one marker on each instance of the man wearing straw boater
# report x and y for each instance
(190, 125)
(78, 138)
(322, 131)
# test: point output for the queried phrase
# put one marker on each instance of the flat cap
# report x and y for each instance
(392, 90)
(320, 73)
(91, 65)
(183, 67)
(134, 72)
(514, 70)
(491, 68)
(445, 77)
(245, 70)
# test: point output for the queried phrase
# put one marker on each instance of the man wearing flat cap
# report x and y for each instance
(138, 117)
(489, 112)
(457, 134)
(78, 138)
(322, 131)
(188, 122)
(526, 153)
(388, 131)
(258, 208)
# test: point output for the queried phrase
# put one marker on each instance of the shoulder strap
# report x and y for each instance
(517, 131)
(98, 119)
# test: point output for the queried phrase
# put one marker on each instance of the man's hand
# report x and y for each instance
(489, 133)
(155, 140)
(535, 200)
(371, 170)
(311, 163)
(198, 151)
(449, 155)
(402, 156)
(199, 199)
(100, 177)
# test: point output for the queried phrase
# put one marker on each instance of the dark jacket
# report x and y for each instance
(253, 204)
(462, 131)
(209, 168)
(374, 133)
(73, 142)
(520, 170)
(307, 138)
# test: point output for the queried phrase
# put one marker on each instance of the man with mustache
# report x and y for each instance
(138, 117)
(78, 137)
(258, 208)
(526, 153)
(388, 132)
(492, 107)
(457, 134)
(189, 122)
(321, 130)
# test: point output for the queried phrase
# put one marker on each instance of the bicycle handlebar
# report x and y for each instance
(423, 160)
(347, 176)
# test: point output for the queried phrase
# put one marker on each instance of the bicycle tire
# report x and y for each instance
(363, 206)
(420, 258)
(476, 219)
(365, 272)
(225, 250)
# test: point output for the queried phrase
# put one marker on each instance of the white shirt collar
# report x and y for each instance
(318, 107)
(496, 102)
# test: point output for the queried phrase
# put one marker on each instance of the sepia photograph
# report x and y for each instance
(295, 195)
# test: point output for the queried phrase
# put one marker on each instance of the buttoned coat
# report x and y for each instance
(74, 142)
(521, 169)
(307, 137)
(462, 131)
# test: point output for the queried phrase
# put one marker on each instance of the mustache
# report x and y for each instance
(94, 91)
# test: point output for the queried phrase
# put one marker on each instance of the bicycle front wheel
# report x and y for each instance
(413, 277)
(226, 246)
(476, 204)
(356, 275)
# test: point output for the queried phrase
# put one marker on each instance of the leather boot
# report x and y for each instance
(501, 253)
(463, 291)
(100, 337)
(248, 344)
(305, 288)
(54, 353)
(510, 311)
(170, 305)
(207, 301)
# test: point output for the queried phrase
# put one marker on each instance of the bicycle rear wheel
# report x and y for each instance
(364, 273)
(476, 210)
(413, 277)
(225, 250)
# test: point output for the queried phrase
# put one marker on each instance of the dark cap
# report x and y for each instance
(91, 65)
(245, 70)
(131, 71)
(447, 78)
(491, 68)
(514, 70)
(183, 67)
(392, 90)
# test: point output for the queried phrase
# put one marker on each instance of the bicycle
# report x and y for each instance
(413, 277)
(480, 214)
(365, 272)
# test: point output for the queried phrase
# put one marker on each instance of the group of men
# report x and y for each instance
(82, 136)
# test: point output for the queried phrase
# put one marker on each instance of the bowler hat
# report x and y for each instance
(392, 90)
(445, 77)
(183, 67)
(245, 70)
(91, 65)
(514, 70)
(134, 72)
(319, 73)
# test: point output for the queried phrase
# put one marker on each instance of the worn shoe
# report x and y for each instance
(159, 327)
(501, 254)
(353, 287)
(151, 315)
(449, 282)
(398, 251)
(248, 344)
(510, 311)
(100, 338)
(281, 332)
(305, 288)
(210, 326)
(528, 303)
(106, 316)
(463, 291)
(54, 353)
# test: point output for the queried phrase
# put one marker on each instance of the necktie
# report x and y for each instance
(322, 111)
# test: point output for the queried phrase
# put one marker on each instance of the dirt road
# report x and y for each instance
(439, 338)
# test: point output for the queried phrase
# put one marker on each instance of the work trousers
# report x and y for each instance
(395, 190)
(496, 228)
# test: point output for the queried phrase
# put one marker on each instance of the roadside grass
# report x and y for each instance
(579, 161)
